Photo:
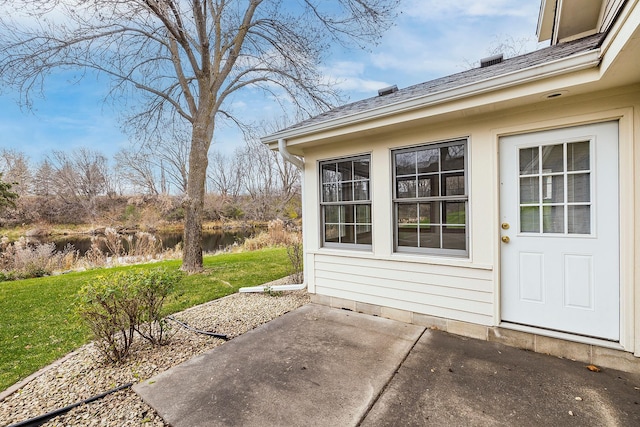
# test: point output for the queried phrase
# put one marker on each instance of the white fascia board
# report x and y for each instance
(577, 62)
(621, 32)
(546, 18)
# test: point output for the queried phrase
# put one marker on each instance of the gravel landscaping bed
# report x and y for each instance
(85, 373)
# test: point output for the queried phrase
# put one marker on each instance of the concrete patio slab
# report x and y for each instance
(315, 366)
(448, 380)
(319, 366)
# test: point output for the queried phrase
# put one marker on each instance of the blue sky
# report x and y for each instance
(431, 39)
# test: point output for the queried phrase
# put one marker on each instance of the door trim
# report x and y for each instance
(565, 278)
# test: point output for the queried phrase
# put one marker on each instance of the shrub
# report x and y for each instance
(131, 215)
(143, 244)
(232, 211)
(116, 306)
(296, 257)
(113, 241)
(152, 288)
(176, 214)
(104, 307)
(22, 260)
(95, 257)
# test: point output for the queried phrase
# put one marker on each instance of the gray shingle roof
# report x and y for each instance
(474, 75)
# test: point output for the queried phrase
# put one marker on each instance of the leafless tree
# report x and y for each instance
(43, 180)
(155, 164)
(288, 174)
(259, 177)
(267, 179)
(15, 167)
(135, 167)
(506, 45)
(80, 176)
(184, 59)
(226, 174)
(510, 46)
(171, 158)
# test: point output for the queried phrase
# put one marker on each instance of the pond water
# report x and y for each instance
(213, 240)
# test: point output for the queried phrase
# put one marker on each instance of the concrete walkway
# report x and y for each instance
(319, 366)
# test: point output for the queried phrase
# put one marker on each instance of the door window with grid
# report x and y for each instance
(555, 189)
(346, 202)
(430, 198)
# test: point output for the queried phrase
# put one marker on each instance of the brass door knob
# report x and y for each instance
(505, 225)
(505, 239)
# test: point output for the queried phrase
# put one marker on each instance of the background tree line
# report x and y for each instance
(144, 185)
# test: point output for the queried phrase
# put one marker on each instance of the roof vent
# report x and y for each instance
(491, 60)
(387, 90)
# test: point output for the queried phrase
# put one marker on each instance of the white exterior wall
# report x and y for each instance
(466, 289)
(460, 294)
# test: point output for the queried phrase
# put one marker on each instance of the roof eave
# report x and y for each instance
(573, 63)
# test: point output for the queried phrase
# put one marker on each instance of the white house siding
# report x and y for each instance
(468, 288)
(459, 294)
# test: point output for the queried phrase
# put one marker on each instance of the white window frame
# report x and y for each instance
(341, 203)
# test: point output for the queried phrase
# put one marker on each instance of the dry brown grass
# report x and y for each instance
(278, 233)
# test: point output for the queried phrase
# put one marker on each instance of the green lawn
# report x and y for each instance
(38, 323)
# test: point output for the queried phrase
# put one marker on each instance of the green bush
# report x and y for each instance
(176, 214)
(232, 211)
(131, 214)
(152, 287)
(116, 306)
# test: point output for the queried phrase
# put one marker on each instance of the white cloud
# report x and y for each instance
(437, 38)
(238, 105)
(349, 76)
(357, 84)
(438, 9)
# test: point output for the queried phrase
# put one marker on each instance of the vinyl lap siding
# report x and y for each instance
(450, 292)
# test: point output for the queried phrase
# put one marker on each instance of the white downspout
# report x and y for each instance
(296, 161)
(299, 163)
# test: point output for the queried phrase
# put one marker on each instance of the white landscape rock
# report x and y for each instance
(86, 374)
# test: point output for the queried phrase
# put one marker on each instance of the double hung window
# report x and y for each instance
(431, 198)
(346, 202)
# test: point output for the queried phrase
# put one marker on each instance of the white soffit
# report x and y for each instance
(577, 18)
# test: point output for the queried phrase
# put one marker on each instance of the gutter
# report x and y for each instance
(577, 62)
(299, 163)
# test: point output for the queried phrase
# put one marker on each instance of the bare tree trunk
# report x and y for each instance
(194, 200)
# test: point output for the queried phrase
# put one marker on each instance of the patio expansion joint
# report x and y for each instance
(391, 377)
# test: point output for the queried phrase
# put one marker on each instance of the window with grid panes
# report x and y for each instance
(346, 202)
(555, 188)
(431, 198)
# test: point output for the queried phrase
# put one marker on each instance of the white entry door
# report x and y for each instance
(560, 230)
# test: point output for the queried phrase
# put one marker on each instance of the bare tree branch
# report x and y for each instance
(181, 60)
